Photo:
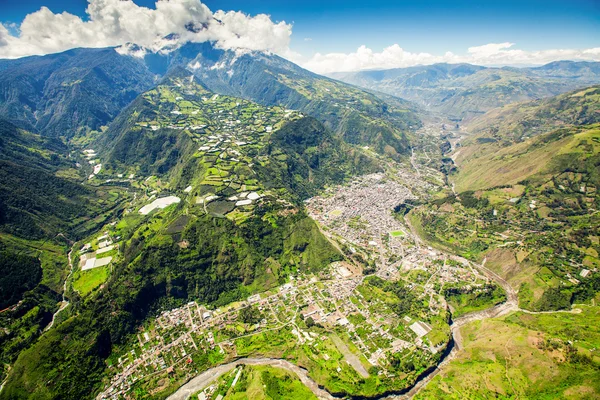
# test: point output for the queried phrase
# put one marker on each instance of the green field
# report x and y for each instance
(545, 356)
(86, 281)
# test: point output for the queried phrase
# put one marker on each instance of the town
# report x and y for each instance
(341, 323)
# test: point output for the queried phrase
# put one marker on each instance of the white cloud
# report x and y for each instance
(396, 57)
(116, 22)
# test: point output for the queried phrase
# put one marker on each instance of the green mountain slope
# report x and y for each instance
(239, 228)
(499, 153)
(515, 122)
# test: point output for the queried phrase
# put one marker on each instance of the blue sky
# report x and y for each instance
(434, 27)
(418, 26)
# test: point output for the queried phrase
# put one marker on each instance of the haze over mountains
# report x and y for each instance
(465, 90)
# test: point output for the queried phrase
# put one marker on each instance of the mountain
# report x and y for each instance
(82, 90)
(464, 90)
(70, 93)
(239, 171)
(359, 117)
(518, 121)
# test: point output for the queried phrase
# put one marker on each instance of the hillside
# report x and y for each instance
(464, 91)
(70, 93)
(238, 229)
(498, 151)
(516, 122)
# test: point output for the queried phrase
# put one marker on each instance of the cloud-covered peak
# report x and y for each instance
(117, 22)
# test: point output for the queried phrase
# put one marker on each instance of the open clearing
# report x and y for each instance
(160, 204)
(89, 280)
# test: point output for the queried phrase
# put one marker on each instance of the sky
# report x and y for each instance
(324, 36)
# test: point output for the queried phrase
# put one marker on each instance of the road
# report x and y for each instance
(206, 378)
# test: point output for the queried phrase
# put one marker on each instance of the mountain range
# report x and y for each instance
(190, 172)
(463, 91)
(86, 88)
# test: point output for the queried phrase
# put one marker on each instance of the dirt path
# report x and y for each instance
(350, 357)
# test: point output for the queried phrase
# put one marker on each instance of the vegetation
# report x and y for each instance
(261, 383)
(523, 355)
(86, 281)
(540, 232)
(468, 299)
(18, 274)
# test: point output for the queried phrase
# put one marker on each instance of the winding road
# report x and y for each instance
(206, 378)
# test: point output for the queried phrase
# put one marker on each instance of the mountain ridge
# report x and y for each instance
(466, 90)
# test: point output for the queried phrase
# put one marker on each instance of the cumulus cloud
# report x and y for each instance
(116, 22)
(396, 57)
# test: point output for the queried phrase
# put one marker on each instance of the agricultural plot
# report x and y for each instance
(229, 134)
(160, 203)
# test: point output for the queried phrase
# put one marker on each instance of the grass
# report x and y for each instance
(265, 382)
(86, 281)
(397, 233)
(524, 356)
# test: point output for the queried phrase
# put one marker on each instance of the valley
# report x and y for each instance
(233, 226)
